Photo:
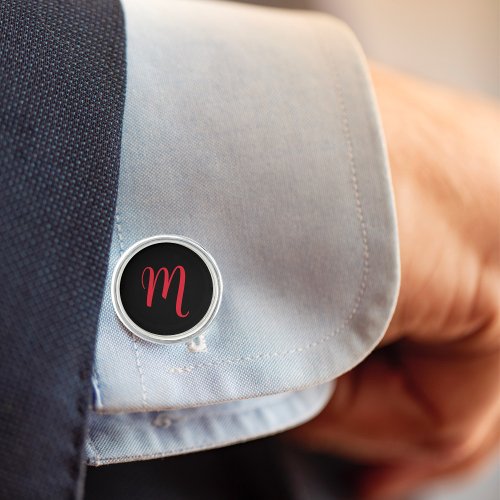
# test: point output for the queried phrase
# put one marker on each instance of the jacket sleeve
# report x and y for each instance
(62, 90)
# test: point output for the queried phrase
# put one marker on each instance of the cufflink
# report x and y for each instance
(167, 289)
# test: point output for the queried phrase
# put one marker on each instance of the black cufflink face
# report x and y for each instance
(166, 289)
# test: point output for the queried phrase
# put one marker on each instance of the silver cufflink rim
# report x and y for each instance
(197, 329)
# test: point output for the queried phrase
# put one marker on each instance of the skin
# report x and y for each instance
(426, 404)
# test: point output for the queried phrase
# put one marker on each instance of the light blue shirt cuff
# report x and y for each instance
(254, 132)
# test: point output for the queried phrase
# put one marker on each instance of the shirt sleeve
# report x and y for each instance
(253, 131)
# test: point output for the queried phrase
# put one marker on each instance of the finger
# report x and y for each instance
(417, 407)
(373, 415)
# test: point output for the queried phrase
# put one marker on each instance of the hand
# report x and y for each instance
(427, 403)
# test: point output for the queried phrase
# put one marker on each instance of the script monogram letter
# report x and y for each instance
(167, 279)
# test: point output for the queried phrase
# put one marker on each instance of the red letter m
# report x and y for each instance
(167, 279)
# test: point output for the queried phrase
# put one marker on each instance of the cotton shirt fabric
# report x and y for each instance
(254, 132)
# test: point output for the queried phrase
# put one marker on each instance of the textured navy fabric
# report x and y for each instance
(62, 86)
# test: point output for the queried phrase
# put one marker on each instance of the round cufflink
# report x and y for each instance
(166, 289)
